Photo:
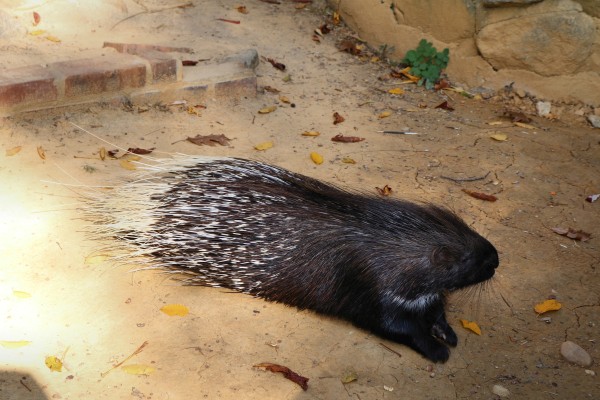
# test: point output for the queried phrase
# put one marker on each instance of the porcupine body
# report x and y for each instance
(384, 264)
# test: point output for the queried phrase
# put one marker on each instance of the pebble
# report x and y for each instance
(500, 390)
(594, 120)
(575, 354)
(543, 108)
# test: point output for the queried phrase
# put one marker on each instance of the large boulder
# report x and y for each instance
(549, 42)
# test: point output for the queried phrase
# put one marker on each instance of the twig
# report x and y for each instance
(390, 349)
(184, 5)
(138, 351)
(475, 178)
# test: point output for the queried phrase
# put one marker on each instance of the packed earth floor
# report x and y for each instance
(61, 299)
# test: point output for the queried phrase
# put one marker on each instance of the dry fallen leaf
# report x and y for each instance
(384, 191)
(316, 158)
(102, 153)
(495, 123)
(337, 118)
(53, 363)
(36, 18)
(500, 137)
(348, 160)
(480, 196)
(288, 373)
(572, 233)
(14, 344)
(284, 99)
(349, 376)
(311, 133)
(138, 369)
(20, 294)
(396, 91)
(37, 32)
(209, 140)
(548, 305)
(267, 110)
(126, 164)
(470, 325)
(346, 139)
(53, 39)
(384, 114)
(41, 152)
(523, 125)
(175, 310)
(264, 146)
(13, 151)
(242, 9)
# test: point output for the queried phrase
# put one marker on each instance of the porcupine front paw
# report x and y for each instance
(433, 349)
(442, 331)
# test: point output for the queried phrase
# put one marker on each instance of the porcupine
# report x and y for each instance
(386, 265)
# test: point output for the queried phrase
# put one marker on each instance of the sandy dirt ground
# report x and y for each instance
(92, 315)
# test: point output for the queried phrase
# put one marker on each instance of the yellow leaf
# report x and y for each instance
(13, 151)
(263, 146)
(548, 305)
(138, 369)
(20, 294)
(95, 259)
(495, 123)
(102, 153)
(396, 91)
(52, 39)
(41, 152)
(54, 363)
(336, 17)
(284, 99)
(175, 310)
(522, 125)
(267, 110)
(349, 376)
(14, 344)
(37, 32)
(311, 133)
(348, 160)
(374, 59)
(127, 165)
(385, 114)
(472, 326)
(194, 111)
(316, 157)
(500, 137)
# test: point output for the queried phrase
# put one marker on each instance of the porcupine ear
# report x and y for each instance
(444, 256)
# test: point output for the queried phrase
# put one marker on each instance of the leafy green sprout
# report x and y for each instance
(427, 63)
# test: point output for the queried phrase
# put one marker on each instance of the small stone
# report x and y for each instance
(521, 93)
(543, 108)
(590, 372)
(575, 354)
(594, 120)
(500, 391)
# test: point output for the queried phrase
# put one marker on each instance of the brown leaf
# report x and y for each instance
(445, 106)
(573, 234)
(271, 89)
(242, 9)
(189, 63)
(41, 152)
(13, 151)
(480, 196)
(442, 84)
(346, 139)
(337, 118)
(349, 46)
(287, 373)
(36, 18)
(384, 191)
(112, 153)
(209, 140)
(516, 116)
(140, 151)
(276, 64)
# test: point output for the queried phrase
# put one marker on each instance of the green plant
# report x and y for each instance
(427, 63)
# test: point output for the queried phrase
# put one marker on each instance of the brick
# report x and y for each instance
(236, 88)
(101, 74)
(164, 67)
(30, 84)
(133, 48)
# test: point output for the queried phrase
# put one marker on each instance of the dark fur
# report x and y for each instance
(384, 264)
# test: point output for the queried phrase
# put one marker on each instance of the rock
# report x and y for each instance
(543, 108)
(508, 3)
(590, 372)
(547, 42)
(594, 120)
(575, 354)
(500, 391)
